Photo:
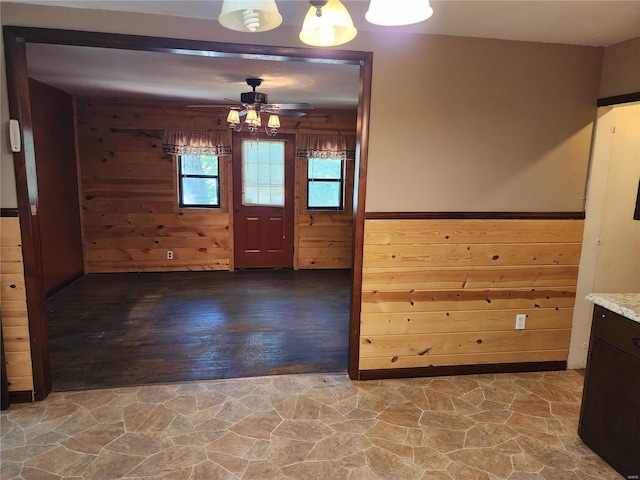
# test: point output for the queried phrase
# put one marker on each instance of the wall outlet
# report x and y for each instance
(169, 255)
(520, 320)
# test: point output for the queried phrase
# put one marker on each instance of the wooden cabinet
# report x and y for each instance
(610, 414)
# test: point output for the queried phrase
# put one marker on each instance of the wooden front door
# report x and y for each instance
(263, 200)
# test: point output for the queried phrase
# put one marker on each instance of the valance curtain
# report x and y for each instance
(326, 146)
(196, 142)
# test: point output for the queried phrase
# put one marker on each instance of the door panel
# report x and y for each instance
(263, 198)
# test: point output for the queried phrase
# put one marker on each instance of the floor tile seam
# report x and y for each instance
(222, 467)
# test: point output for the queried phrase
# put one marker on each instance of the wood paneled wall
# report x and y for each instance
(129, 194)
(15, 324)
(54, 140)
(446, 292)
(325, 238)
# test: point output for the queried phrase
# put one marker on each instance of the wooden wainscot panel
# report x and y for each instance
(472, 254)
(13, 304)
(494, 299)
(463, 343)
(417, 361)
(413, 278)
(446, 292)
(463, 321)
(411, 232)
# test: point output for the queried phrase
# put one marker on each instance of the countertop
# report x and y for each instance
(625, 304)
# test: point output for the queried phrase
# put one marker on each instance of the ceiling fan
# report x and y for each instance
(258, 101)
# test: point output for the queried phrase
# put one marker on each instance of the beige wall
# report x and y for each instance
(610, 260)
(466, 124)
(7, 175)
(456, 124)
(621, 69)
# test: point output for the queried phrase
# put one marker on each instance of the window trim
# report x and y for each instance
(181, 175)
(340, 181)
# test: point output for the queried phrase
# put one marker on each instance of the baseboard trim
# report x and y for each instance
(66, 283)
(21, 396)
(449, 370)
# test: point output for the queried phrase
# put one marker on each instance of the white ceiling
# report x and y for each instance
(89, 71)
(194, 79)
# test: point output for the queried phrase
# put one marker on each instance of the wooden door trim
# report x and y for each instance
(27, 195)
(16, 37)
(359, 195)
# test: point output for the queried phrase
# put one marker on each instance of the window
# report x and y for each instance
(325, 184)
(263, 173)
(199, 181)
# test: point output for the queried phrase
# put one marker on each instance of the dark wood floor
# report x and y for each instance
(109, 330)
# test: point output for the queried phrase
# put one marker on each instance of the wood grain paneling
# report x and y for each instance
(129, 200)
(15, 324)
(128, 194)
(446, 292)
(325, 238)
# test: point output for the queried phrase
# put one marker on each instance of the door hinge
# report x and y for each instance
(34, 210)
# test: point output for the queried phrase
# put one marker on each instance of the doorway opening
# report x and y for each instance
(16, 41)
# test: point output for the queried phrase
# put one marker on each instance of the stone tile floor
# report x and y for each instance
(478, 427)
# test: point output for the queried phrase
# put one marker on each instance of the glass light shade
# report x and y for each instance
(333, 27)
(252, 117)
(250, 15)
(233, 117)
(274, 121)
(398, 12)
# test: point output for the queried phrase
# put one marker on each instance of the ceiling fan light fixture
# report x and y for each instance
(328, 25)
(250, 15)
(274, 121)
(252, 117)
(233, 117)
(273, 125)
(398, 12)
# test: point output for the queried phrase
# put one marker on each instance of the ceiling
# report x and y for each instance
(89, 71)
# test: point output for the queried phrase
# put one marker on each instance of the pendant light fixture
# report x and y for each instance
(398, 12)
(250, 15)
(327, 24)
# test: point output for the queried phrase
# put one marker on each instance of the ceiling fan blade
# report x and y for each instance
(286, 113)
(209, 106)
(290, 106)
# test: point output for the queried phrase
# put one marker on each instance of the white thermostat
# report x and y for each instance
(14, 135)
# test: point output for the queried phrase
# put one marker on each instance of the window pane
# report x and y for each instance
(263, 173)
(200, 191)
(321, 168)
(199, 165)
(325, 195)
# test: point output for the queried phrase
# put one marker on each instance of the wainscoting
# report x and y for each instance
(445, 292)
(13, 304)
